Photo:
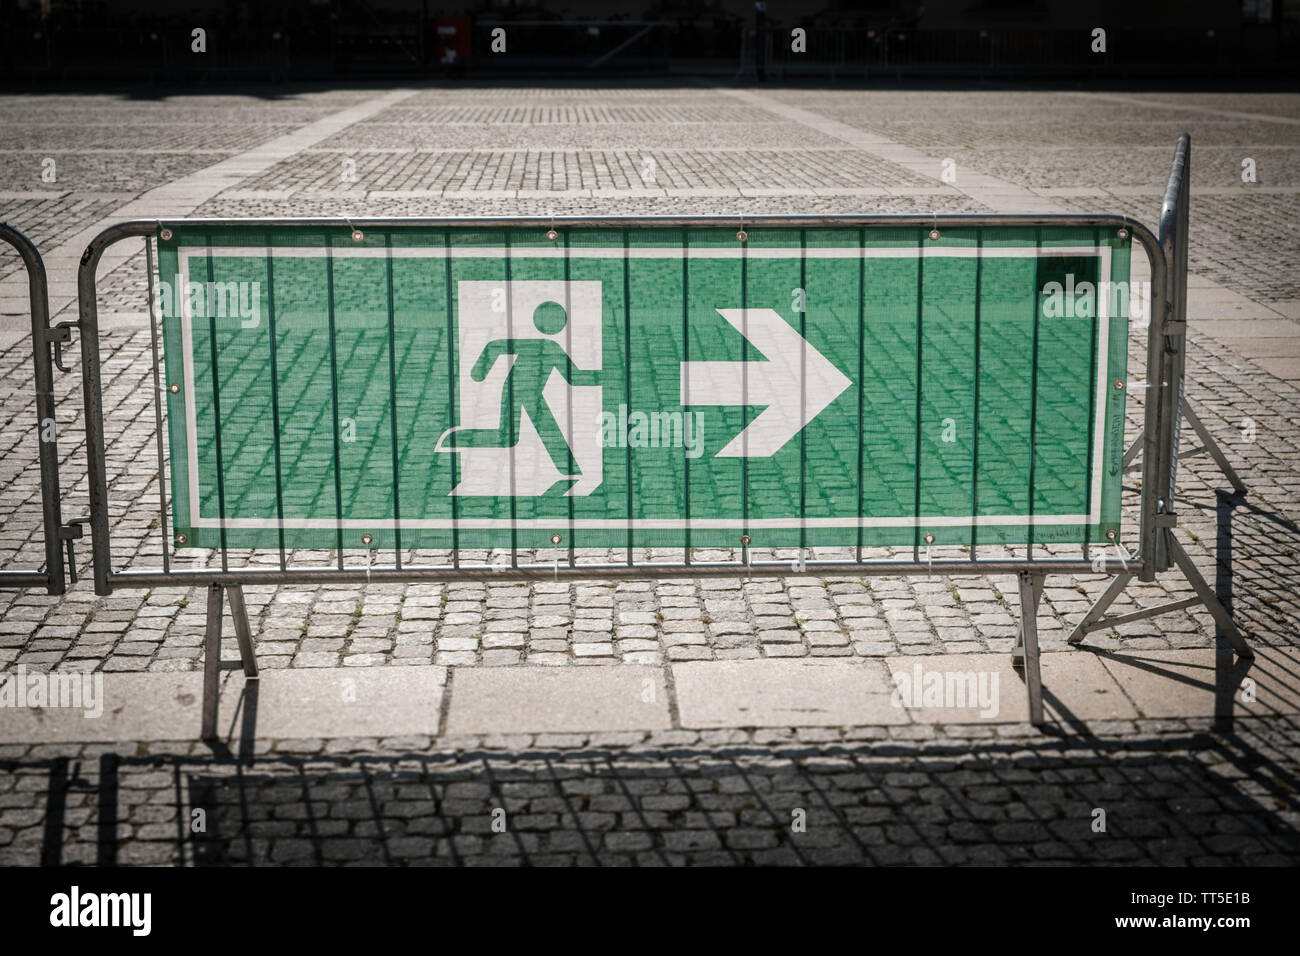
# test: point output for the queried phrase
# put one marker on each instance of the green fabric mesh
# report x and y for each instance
(315, 416)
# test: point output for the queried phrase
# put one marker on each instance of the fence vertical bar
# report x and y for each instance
(275, 396)
(975, 401)
(1033, 401)
(627, 386)
(979, 294)
(1092, 402)
(216, 410)
(157, 411)
(686, 380)
(510, 405)
(334, 398)
(744, 396)
(803, 395)
(392, 406)
(916, 459)
(451, 398)
(568, 348)
(862, 373)
(91, 379)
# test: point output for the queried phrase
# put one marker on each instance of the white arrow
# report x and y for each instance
(795, 383)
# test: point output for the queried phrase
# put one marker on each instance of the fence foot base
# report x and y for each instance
(212, 667)
(1096, 618)
(1025, 654)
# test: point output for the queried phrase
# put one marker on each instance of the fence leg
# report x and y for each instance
(1018, 652)
(1096, 617)
(242, 632)
(1098, 611)
(1211, 601)
(212, 662)
(1026, 650)
(1212, 446)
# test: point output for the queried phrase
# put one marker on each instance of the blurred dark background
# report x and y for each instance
(53, 42)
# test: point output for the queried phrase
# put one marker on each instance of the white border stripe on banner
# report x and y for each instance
(185, 253)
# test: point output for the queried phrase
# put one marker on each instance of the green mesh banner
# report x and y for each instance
(471, 387)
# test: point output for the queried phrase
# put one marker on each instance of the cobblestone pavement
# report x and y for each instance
(107, 150)
(559, 151)
(1172, 793)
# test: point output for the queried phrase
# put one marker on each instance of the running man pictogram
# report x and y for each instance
(534, 361)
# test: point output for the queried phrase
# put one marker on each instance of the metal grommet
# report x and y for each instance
(556, 539)
(1111, 535)
(934, 234)
(165, 234)
(744, 540)
(182, 538)
(742, 236)
(1119, 385)
(357, 235)
(174, 388)
(552, 235)
(1122, 234)
(929, 539)
(366, 539)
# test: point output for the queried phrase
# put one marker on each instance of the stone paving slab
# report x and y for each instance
(334, 702)
(135, 707)
(287, 704)
(784, 693)
(1080, 688)
(548, 700)
(1075, 688)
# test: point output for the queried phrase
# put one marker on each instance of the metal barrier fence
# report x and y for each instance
(51, 577)
(258, 509)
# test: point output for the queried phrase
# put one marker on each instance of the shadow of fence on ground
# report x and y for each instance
(1257, 571)
(1200, 799)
